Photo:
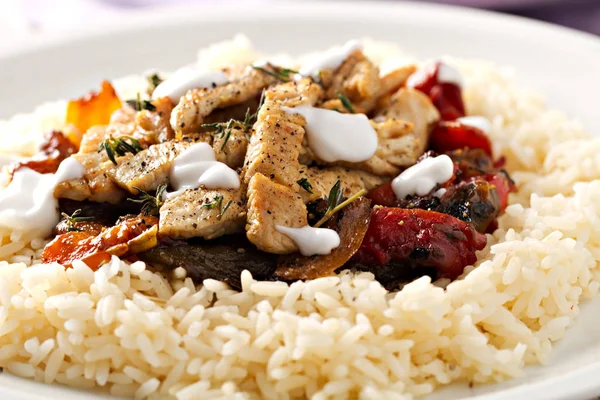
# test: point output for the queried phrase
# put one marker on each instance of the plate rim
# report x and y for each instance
(574, 384)
(138, 19)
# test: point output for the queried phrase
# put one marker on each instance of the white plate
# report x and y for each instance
(564, 65)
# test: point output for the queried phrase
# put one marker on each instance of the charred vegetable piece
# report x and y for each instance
(503, 184)
(222, 259)
(351, 224)
(104, 213)
(475, 201)
(452, 135)
(400, 241)
(55, 148)
(446, 97)
(471, 163)
(92, 109)
(130, 235)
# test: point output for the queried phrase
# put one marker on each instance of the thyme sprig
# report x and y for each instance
(305, 184)
(223, 129)
(138, 104)
(74, 218)
(119, 146)
(150, 204)
(346, 103)
(218, 204)
(282, 74)
(335, 203)
(153, 81)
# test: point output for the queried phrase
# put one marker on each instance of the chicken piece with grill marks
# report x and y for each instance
(149, 168)
(188, 116)
(204, 213)
(271, 204)
(275, 146)
(96, 184)
(271, 168)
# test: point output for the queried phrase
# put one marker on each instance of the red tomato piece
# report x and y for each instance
(451, 135)
(420, 238)
(447, 97)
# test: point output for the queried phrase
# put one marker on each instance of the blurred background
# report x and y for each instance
(22, 20)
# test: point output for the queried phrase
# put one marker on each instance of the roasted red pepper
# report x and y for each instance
(412, 239)
(447, 97)
(54, 150)
(452, 135)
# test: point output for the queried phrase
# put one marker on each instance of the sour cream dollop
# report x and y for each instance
(28, 203)
(331, 60)
(448, 74)
(186, 79)
(197, 166)
(478, 122)
(312, 241)
(334, 136)
(423, 177)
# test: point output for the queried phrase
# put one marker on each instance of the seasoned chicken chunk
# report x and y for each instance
(148, 169)
(271, 204)
(95, 185)
(357, 79)
(415, 107)
(203, 213)
(231, 150)
(155, 125)
(323, 179)
(197, 104)
(275, 146)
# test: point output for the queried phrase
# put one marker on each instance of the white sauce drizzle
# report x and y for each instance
(197, 166)
(312, 241)
(331, 60)
(334, 136)
(423, 177)
(186, 79)
(478, 122)
(448, 74)
(28, 202)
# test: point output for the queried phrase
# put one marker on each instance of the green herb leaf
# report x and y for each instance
(74, 218)
(335, 203)
(225, 208)
(119, 147)
(335, 195)
(150, 204)
(139, 104)
(346, 103)
(282, 74)
(305, 184)
(153, 81)
(217, 202)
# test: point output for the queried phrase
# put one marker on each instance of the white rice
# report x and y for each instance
(127, 329)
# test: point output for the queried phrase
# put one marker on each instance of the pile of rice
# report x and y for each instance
(135, 333)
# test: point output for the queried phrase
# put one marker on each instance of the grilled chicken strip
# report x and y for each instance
(197, 104)
(271, 204)
(275, 147)
(231, 150)
(148, 169)
(322, 179)
(203, 213)
(96, 185)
